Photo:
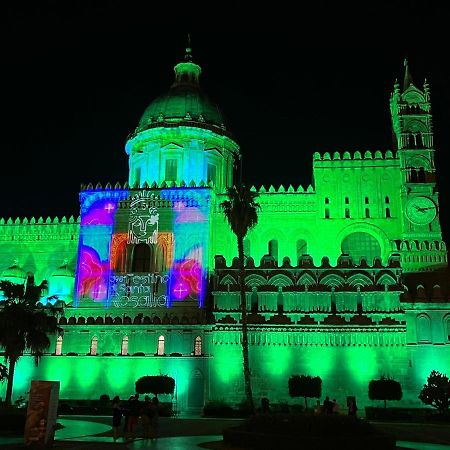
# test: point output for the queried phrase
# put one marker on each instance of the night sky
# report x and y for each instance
(77, 79)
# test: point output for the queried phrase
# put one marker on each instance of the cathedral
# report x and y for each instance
(345, 278)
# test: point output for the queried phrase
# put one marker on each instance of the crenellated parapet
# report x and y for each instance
(39, 229)
(421, 255)
(356, 156)
(144, 185)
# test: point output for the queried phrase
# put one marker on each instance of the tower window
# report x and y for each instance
(421, 175)
(58, 349)
(367, 213)
(198, 346)
(124, 348)
(302, 248)
(94, 345)
(171, 169)
(137, 177)
(160, 350)
(211, 175)
(327, 213)
(386, 199)
(366, 200)
(273, 249)
(327, 201)
(347, 201)
(388, 212)
(347, 213)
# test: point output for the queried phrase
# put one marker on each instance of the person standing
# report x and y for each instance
(147, 413)
(352, 408)
(155, 419)
(116, 417)
(135, 411)
(328, 405)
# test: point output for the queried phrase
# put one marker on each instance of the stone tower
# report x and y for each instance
(413, 138)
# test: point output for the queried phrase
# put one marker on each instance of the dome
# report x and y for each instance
(185, 102)
(63, 271)
(15, 274)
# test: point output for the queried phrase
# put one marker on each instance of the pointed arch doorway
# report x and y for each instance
(196, 390)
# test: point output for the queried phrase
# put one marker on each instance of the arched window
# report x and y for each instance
(366, 200)
(94, 345)
(327, 201)
(423, 328)
(388, 213)
(302, 248)
(413, 176)
(171, 170)
(386, 200)
(273, 249)
(280, 301)
(137, 177)
(327, 213)
(254, 300)
(359, 245)
(347, 201)
(347, 213)
(141, 258)
(198, 346)
(58, 348)
(211, 173)
(421, 175)
(160, 350)
(367, 213)
(124, 348)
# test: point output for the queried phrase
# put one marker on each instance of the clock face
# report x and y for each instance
(420, 210)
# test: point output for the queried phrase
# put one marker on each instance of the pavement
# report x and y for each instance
(92, 433)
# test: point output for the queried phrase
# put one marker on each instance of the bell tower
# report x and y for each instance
(412, 126)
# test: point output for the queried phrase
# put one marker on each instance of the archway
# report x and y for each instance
(196, 391)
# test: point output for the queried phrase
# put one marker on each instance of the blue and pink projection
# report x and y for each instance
(150, 252)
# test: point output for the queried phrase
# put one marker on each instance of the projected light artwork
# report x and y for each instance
(98, 210)
(147, 254)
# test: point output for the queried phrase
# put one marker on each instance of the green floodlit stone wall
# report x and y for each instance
(344, 371)
(88, 377)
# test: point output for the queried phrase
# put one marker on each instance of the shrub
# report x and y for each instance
(436, 392)
(305, 386)
(385, 389)
(160, 384)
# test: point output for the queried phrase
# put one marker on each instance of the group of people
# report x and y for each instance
(131, 410)
(333, 407)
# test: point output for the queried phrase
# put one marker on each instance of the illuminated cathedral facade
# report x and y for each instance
(344, 278)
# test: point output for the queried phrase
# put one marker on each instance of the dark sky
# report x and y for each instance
(76, 80)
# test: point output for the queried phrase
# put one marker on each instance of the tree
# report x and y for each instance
(24, 326)
(305, 386)
(385, 389)
(436, 392)
(158, 384)
(241, 212)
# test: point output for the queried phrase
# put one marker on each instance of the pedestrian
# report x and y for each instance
(126, 413)
(352, 408)
(155, 419)
(116, 416)
(134, 413)
(147, 413)
(336, 406)
(328, 405)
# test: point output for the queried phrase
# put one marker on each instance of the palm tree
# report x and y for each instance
(24, 326)
(241, 212)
